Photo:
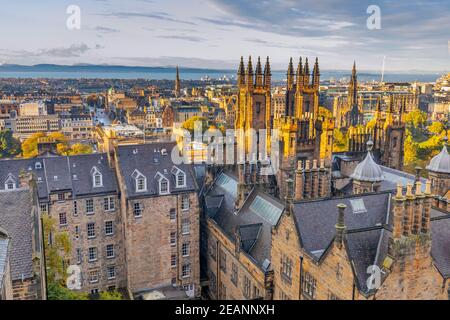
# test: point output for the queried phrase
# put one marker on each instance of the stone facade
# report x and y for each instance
(233, 274)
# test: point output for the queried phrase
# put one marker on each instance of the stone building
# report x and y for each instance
(22, 273)
(131, 214)
(237, 241)
(160, 218)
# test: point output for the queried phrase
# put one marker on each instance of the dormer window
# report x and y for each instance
(180, 177)
(10, 183)
(163, 183)
(140, 181)
(97, 178)
(38, 165)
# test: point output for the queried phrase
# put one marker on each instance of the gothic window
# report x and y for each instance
(309, 285)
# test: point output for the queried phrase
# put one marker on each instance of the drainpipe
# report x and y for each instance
(300, 277)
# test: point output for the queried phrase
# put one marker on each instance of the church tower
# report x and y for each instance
(177, 89)
(253, 114)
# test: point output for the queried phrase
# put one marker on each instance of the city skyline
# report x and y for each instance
(215, 33)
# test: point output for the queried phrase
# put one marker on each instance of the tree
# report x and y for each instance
(79, 148)
(9, 146)
(56, 291)
(324, 112)
(416, 118)
(110, 295)
(195, 121)
(340, 143)
(29, 146)
(30, 149)
(436, 127)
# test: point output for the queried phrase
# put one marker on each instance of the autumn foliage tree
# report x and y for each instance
(30, 145)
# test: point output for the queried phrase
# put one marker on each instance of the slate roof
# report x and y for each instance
(316, 220)
(63, 173)
(367, 233)
(441, 162)
(254, 229)
(368, 170)
(440, 243)
(149, 159)
(15, 218)
(4, 250)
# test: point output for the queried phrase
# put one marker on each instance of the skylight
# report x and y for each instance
(358, 206)
(265, 210)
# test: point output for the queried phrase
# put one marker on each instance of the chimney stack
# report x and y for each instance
(340, 225)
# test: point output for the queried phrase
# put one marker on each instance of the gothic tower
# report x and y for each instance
(253, 114)
(177, 89)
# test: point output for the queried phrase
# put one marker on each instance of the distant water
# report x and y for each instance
(198, 74)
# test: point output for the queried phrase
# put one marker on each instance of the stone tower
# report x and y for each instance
(252, 115)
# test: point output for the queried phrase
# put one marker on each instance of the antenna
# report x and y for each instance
(382, 69)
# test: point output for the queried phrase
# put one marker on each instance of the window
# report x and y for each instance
(62, 219)
(212, 281)
(38, 165)
(91, 230)
(61, 197)
(137, 209)
(94, 291)
(223, 261)
(185, 250)
(43, 207)
(93, 276)
(309, 285)
(256, 292)
(109, 251)
(181, 179)
(75, 208)
(111, 272)
(173, 214)
(234, 274)
(173, 239)
(186, 270)
(185, 202)
(89, 206)
(163, 186)
(77, 231)
(140, 184)
(339, 272)
(10, 186)
(286, 268)
(108, 204)
(213, 250)
(97, 178)
(185, 226)
(92, 254)
(247, 287)
(173, 261)
(79, 256)
(109, 228)
(284, 296)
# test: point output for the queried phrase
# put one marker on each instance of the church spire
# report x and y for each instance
(241, 73)
(259, 74)
(177, 84)
(249, 73)
(306, 72)
(353, 88)
(290, 75)
(316, 73)
(267, 74)
(299, 74)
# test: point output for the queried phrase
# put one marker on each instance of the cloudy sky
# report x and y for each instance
(414, 34)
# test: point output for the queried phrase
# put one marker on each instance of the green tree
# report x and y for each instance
(55, 291)
(110, 295)
(192, 122)
(9, 146)
(340, 143)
